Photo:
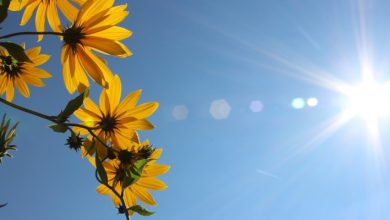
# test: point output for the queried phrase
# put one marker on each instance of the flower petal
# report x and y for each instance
(91, 65)
(28, 12)
(17, 5)
(107, 19)
(129, 198)
(143, 195)
(40, 19)
(107, 46)
(140, 125)
(41, 73)
(22, 87)
(33, 52)
(130, 101)
(33, 80)
(114, 92)
(67, 9)
(113, 33)
(10, 92)
(144, 110)
(156, 153)
(91, 106)
(151, 183)
(91, 8)
(66, 72)
(104, 102)
(155, 170)
(52, 16)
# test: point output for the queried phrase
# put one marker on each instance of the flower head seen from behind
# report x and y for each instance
(140, 189)
(116, 121)
(20, 74)
(46, 9)
(93, 30)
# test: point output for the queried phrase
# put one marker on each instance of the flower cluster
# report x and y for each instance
(107, 134)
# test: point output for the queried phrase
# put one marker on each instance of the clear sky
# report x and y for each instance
(251, 118)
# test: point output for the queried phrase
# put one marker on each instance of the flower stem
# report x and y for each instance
(115, 192)
(21, 108)
(31, 33)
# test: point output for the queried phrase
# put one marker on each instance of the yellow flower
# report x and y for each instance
(116, 121)
(139, 189)
(19, 74)
(46, 9)
(93, 30)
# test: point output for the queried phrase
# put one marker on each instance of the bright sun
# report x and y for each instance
(370, 100)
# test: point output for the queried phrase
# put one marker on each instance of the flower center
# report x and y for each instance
(10, 66)
(73, 36)
(108, 123)
(126, 157)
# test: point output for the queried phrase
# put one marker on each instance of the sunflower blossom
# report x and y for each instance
(46, 9)
(113, 120)
(140, 189)
(93, 30)
(20, 74)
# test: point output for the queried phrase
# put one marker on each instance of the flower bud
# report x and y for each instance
(74, 141)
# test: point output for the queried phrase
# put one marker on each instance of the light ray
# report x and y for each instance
(318, 135)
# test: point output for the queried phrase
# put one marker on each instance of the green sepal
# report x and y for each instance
(58, 128)
(140, 210)
(4, 4)
(100, 169)
(16, 51)
(134, 173)
(7, 135)
(72, 106)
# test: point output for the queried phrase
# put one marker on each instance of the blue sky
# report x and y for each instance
(278, 163)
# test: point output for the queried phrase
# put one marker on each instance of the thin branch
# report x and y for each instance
(21, 108)
(30, 33)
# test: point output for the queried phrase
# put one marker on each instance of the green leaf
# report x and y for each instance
(140, 210)
(4, 4)
(100, 169)
(139, 165)
(134, 173)
(72, 106)
(16, 51)
(58, 128)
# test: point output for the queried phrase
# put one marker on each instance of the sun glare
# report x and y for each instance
(370, 100)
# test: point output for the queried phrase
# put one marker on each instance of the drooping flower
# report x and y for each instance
(93, 30)
(140, 189)
(46, 9)
(20, 74)
(115, 121)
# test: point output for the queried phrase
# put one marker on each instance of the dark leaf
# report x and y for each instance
(16, 51)
(72, 106)
(100, 169)
(58, 128)
(140, 210)
(4, 4)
